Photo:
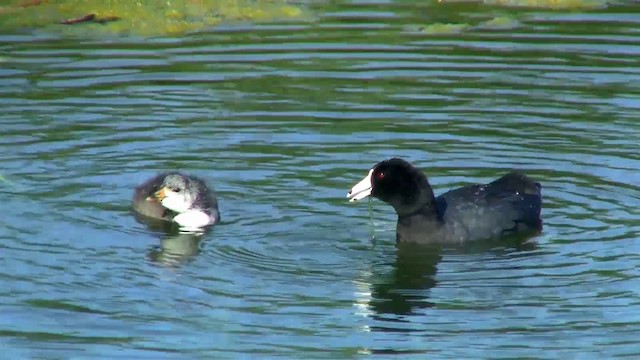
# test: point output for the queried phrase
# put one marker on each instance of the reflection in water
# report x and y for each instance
(409, 283)
(406, 289)
(400, 303)
(176, 249)
(176, 246)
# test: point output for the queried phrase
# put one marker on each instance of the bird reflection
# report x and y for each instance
(176, 246)
(400, 298)
(406, 288)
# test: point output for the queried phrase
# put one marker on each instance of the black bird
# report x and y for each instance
(508, 205)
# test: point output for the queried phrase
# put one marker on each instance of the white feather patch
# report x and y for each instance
(193, 219)
(175, 201)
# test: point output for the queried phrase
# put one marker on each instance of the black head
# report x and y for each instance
(397, 183)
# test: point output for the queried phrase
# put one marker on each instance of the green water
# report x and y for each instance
(282, 119)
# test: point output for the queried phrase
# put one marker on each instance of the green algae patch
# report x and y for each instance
(141, 18)
(440, 28)
(542, 4)
(500, 23)
(495, 23)
(551, 4)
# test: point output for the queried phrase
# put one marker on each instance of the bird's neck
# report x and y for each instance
(422, 226)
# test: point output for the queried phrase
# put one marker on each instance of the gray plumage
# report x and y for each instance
(202, 198)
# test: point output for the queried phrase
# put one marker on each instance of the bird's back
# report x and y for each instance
(145, 207)
(510, 204)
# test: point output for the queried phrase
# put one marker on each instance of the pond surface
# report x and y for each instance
(282, 119)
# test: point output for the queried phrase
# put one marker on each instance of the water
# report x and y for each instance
(282, 119)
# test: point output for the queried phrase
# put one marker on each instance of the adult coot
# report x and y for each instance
(508, 205)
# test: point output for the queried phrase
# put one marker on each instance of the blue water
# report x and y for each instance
(282, 119)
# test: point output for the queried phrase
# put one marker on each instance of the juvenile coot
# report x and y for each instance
(176, 197)
(508, 205)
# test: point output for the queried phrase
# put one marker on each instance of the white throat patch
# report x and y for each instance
(178, 202)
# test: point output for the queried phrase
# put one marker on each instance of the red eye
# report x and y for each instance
(380, 175)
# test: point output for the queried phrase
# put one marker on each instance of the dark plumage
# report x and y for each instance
(508, 205)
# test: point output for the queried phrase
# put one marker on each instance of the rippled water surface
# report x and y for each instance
(282, 118)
